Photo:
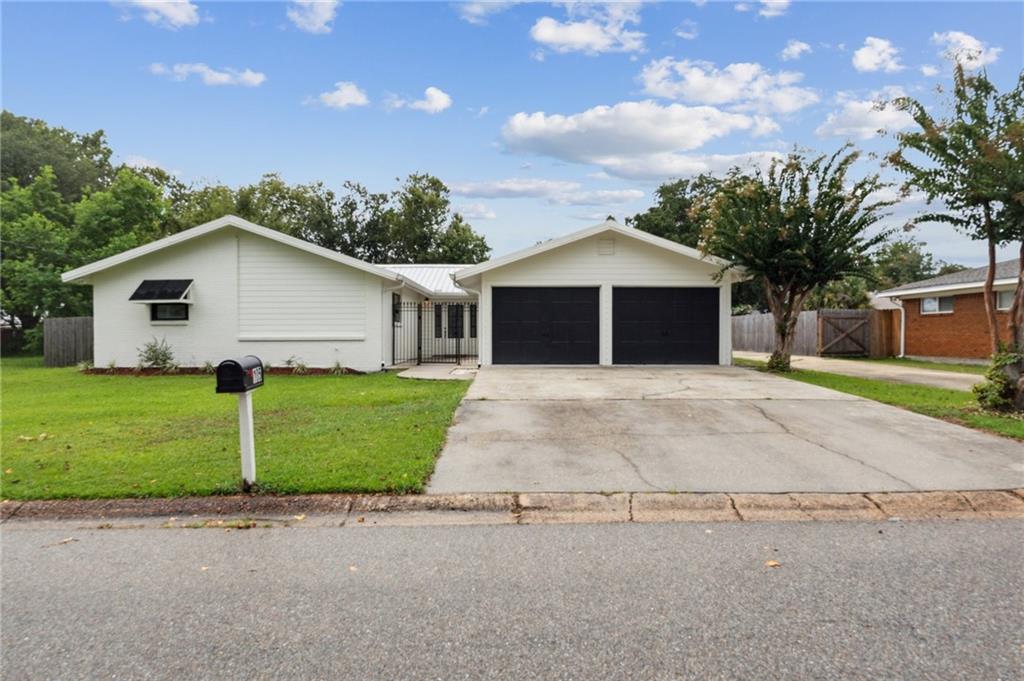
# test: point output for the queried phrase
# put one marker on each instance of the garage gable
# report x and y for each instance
(606, 249)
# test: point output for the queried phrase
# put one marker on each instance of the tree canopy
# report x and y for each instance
(799, 226)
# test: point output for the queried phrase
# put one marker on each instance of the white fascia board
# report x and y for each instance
(927, 291)
(213, 226)
(607, 226)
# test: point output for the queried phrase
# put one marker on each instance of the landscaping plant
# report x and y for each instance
(799, 226)
(157, 354)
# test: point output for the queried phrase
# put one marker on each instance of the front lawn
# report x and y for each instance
(958, 406)
(65, 434)
(978, 369)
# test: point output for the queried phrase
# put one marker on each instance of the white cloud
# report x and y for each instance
(478, 13)
(745, 85)
(592, 28)
(966, 49)
(560, 192)
(661, 166)
(171, 14)
(344, 95)
(769, 8)
(773, 8)
(209, 76)
(476, 211)
(928, 70)
(863, 118)
(434, 101)
(878, 54)
(687, 29)
(136, 161)
(626, 128)
(313, 16)
(794, 49)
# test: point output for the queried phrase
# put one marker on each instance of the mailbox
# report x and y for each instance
(239, 375)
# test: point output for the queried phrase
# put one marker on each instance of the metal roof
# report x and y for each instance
(1008, 269)
(436, 278)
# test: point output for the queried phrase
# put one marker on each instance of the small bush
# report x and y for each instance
(84, 366)
(209, 368)
(338, 369)
(111, 366)
(296, 365)
(996, 392)
(157, 354)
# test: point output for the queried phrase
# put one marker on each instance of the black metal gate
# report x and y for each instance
(434, 332)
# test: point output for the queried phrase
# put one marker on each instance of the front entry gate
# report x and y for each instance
(433, 332)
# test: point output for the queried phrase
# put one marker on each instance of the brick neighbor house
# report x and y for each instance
(944, 317)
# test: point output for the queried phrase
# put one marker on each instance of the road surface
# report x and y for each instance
(900, 600)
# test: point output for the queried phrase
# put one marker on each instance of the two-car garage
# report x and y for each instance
(561, 325)
(606, 295)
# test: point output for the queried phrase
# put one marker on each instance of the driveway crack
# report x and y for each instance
(786, 429)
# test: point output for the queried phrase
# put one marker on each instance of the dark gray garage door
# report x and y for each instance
(665, 326)
(544, 325)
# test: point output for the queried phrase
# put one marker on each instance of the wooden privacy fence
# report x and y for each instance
(67, 341)
(870, 333)
(756, 333)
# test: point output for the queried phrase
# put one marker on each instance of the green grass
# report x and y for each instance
(957, 406)
(162, 436)
(978, 369)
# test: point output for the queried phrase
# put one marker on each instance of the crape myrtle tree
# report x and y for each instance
(799, 226)
(971, 161)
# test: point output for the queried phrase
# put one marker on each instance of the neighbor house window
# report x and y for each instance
(472, 321)
(168, 312)
(455, 329)
(1004, 299)
(937, 305)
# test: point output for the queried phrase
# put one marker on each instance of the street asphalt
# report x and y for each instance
(878, 600)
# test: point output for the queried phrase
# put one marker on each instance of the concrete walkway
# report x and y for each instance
(439, 372)
(702, 429)
(878, 371)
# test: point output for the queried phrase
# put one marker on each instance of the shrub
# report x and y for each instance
(999, 387)
(84, 365)
(338, 369)
(157, 354)
(296, 365)
(209, 368)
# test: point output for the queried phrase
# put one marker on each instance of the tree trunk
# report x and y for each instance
(990, 277)
(785, 306)
(1014, 323)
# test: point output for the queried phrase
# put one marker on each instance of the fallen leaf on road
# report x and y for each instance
(353, 568)
(300, 517)
(772, 563)
(204, 568)
(67, 541)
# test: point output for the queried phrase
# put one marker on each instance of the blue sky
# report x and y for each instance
(543, 118)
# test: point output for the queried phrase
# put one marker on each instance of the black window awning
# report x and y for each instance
(162, 291)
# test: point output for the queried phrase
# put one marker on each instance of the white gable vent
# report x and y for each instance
(606, 246)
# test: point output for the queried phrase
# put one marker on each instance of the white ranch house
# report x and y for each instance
(604, 295)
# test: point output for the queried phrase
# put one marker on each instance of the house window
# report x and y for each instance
(438, 321)
(941, 305)
(455, 328)
(472, 321)
(168, 312)
(396, 308)
(1004, 299)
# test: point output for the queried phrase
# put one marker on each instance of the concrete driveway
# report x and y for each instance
(878, 371)
(704, 429)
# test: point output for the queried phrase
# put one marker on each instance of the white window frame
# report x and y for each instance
(938, 305)
(1009, 293)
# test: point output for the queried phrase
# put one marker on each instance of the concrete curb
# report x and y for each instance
(538, 508)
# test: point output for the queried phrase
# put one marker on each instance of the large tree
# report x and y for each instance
(679, 211)
(78, 160)
(965, 160)
(800, 225)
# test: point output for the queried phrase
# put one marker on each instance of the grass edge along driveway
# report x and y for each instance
(955, 406)
(69, 435)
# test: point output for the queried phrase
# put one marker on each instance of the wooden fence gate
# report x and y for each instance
(67, 341)
(864, 333)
